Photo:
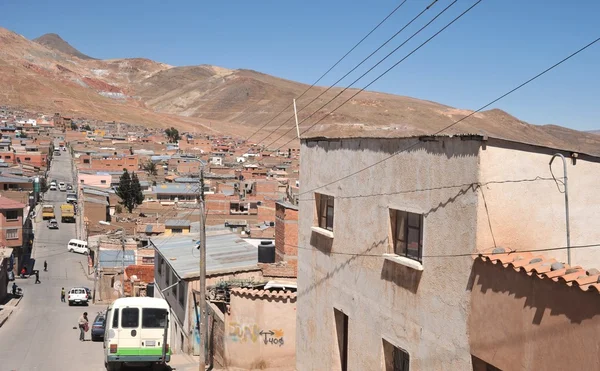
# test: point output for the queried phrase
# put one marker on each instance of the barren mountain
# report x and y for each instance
(53, 41)
(53, 78)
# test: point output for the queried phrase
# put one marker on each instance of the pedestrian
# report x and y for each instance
(62, 295)
(37, 276)
(83, 326)
(14, 289)
(23, 272)
(45, 266)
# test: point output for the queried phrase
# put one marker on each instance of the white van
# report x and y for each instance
(78, 246)
(135, 331)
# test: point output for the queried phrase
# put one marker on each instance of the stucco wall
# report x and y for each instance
(531, 214)
(260, 333)
(520, 322)
(425, 312)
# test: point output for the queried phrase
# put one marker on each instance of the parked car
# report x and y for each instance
(53, 186)
(52, 224)
(62, 187)
(69, 187)
(78, 295)
(98, 327)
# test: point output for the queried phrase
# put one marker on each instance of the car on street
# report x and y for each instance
(78, 295)
(98, 327)
(69, 187)
(78, 246)
(53, 185)
(62, 187)
(52, 224)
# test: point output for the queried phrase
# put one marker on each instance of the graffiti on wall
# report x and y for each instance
(242, 333)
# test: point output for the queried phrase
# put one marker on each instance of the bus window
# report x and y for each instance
(153, 317)
(115, 323)
(130, 318)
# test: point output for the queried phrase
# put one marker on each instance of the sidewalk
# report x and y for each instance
(7, 307)
(184, 362)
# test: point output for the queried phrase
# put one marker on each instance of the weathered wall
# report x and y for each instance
(425, 312)
(520, 322)
(260, 332)
(528, 215)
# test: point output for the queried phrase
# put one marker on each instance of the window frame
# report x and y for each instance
(11, 231)
(115, 318)
(123, 317)
(395, 357)
(16, 213)
(402, 224)
(325, 211)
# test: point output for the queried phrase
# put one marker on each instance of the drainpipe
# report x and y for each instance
(566, 192)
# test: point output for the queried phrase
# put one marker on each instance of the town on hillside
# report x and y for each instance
(315, 186)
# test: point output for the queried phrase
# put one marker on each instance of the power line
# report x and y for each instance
(456, 255)
(331, 68)
(474, 184)
(456, 122)
(353, 69)
(389, 69)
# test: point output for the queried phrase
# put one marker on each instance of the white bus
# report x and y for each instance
(136, 333)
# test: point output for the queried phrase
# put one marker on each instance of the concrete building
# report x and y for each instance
(11, 227)
(385, 275)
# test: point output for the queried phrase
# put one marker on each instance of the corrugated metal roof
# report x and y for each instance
(177, 223)
(187, 180)
(172, 188)
(113, 258)
(224, 252)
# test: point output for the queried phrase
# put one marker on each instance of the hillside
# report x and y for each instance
(45, 76)
(53, 41)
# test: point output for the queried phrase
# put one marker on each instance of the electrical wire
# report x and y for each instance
(354, 173)
(353, 69)
(331, 68)
(384, 73)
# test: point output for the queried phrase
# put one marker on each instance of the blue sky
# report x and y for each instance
(496, 46)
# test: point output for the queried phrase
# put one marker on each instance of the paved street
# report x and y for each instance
(39, 335)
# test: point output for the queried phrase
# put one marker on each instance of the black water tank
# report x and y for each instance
(266, 252)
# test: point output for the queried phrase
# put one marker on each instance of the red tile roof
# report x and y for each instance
(257, 293)
(6, 204)
(542, 267)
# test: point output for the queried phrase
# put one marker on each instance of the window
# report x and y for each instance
(325, 211)
(149, 260)
(12, 215)
(407, 230)
(27, 158)
(12, 234)
(102, 181)
(130, 318)
(159, 266)
(341, 324)
(181, 293)
(115, 323)
(154, 318)
(177, 230)
(481, 365)
(167, 277)
(7, 157)
(396, 359)
(86, 160)
(174, 288)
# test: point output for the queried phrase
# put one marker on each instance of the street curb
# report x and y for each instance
(89, 278)
(3, 321)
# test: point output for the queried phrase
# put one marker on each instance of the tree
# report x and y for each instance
(129, 190)
(86, 127)
(73, 126)
(173, 135)
(150, 168)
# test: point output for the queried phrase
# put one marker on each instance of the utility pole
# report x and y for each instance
(123, 262)
(203, 320)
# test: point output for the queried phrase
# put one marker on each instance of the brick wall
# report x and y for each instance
(286, 235)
